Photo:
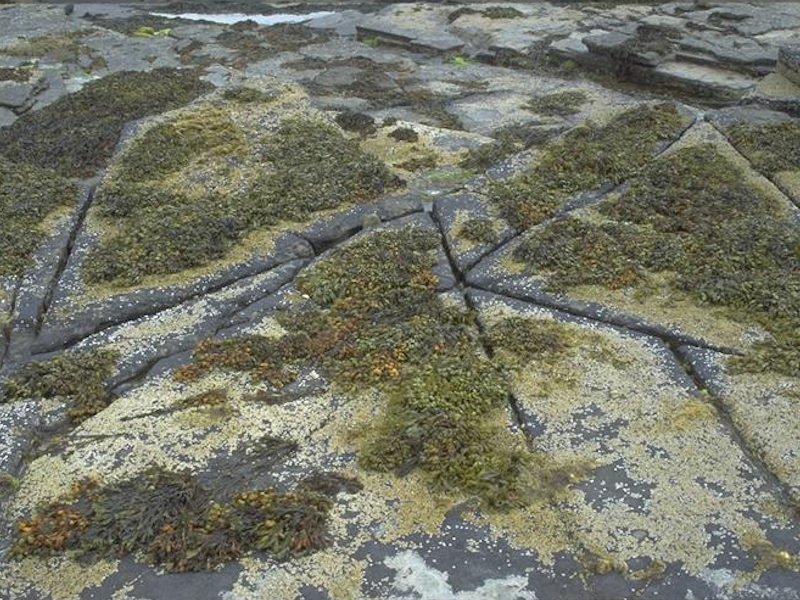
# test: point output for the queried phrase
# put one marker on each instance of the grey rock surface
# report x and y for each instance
(409, 408)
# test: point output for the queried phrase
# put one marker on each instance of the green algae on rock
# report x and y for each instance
(770, 147)
(509, 140)
(773, 149)
(480, 230)
(28, 195)
(63, 47)
(190, 187)
(78, 378)
(17, 74)
(77, 134)
(379, 323)
(562, 104)
(176, 523)
(695, 217)
(583, 159)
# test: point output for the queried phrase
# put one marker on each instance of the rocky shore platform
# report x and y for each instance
(408, 301)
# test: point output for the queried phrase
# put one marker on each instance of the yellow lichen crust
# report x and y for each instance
(622, 409)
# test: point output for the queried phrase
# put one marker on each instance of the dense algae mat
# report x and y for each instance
(78, 378)
(77, 134)
(374, 320)
(177, 523)
(773, 149)
(28, 196)
(379, 322)
(192, 185)
(694, 224)
(367, 317)
(584, 159)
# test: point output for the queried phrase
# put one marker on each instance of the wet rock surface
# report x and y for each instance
(410, 301)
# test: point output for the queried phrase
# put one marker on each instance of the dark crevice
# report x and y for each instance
(320, 246)
(512, 400)
(652, 331)
(7, 327)
(459, 276)
(105, 325)
(63, 259)
(782, 490)
(489, 251)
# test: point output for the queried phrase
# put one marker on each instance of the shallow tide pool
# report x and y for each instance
(231, 18)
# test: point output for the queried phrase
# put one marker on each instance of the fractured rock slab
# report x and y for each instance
(659, 311)
(762, 407)
(789, 63)
(79, 308)
(670, 484)
(415, 27)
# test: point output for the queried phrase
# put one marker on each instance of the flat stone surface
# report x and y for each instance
(407, 26)
(704, 79)
(762, 409)
(7, 117)
(364, 388)
(789, 63)
(13, 95)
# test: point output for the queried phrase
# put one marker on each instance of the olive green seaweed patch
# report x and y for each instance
(159, 223)
(65, 47)
(563, 103)
(693, 216)
(174, 522)
(28, 194)
(771, 148)
(380, 324)
(480, 230)
(79, 378)
(583, 159)
(77, 134)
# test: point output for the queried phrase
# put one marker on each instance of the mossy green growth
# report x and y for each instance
(65, 47)
(583, 159)
(77, 134)
(501, 12)
(509, 140)
(519, 340)
(176, 523)
(771, 147)
(564, 103)
(209, 133)
(18, 74)
(480, 230)
(379, 323)
(487, 155)
(692, 215)
(460, 61)
(159, 227)
(28, 194)
(78, 378)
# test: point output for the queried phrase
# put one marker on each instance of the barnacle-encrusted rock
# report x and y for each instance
(305, 315)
